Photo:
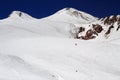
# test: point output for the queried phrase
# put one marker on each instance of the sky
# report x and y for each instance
(44, 8)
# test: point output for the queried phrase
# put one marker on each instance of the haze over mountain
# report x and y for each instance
(68, 45)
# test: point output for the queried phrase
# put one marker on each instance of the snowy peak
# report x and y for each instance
(72, 15)
(71, 12)
(16, 13)
(74, 12)
(69, 22)
(67, 15)
(67, 10)
(20, 15)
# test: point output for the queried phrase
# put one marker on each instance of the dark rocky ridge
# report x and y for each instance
(95, 29)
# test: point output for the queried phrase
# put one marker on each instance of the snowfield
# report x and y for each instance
(44, 49)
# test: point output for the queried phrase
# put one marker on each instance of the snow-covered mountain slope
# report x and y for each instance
(43, 58)
(17, 26)
(49, 26)
(68, 22)
(46, 49)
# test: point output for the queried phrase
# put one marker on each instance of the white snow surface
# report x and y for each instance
(44, 49)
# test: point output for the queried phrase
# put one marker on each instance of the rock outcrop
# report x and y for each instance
(103, 25)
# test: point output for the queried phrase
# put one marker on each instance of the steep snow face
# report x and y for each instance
(71, 15)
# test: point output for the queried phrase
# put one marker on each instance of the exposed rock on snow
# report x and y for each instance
(104, 27)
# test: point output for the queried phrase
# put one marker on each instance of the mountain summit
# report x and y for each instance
(65, 15)
(19, 14)
(72, 15)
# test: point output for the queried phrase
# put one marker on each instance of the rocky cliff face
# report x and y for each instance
(103, 26)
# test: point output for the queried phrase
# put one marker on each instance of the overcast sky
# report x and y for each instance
(43, 8)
